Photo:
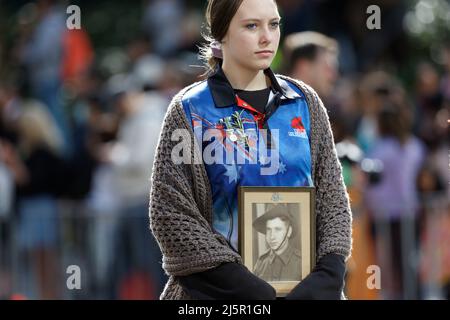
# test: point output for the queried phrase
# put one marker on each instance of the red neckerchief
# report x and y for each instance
(258, 116)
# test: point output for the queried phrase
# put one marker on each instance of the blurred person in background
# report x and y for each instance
(434, 264)
(40, 49)
(162, 21)
(38, 172)
(140, 109)
(392, 199)
(375, 87)
(432, 114)
(312, 58)
(429, 99)
(102, 203)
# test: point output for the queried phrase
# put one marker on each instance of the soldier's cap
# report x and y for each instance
(278, 211)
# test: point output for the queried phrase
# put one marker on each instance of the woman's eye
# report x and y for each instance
(275, 24)
(251, 26)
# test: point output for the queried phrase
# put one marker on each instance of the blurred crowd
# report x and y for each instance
(81, 111)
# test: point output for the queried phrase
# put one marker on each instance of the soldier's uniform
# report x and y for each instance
(273, 267)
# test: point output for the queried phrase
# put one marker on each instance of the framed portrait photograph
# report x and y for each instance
(277, 238)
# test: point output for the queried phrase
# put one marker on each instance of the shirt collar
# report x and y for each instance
(284, 257)
(223, 93)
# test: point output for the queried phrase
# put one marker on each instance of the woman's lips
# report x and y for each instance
(264, 53)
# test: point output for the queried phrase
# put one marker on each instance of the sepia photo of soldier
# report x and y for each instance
(282, 262)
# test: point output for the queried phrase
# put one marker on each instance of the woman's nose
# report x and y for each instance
(265, 36)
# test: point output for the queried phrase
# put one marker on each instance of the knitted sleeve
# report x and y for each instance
(333, 213)
(180, 204)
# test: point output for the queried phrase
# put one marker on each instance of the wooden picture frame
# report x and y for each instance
(277, 238)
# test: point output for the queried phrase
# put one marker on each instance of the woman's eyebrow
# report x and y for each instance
(257, 20)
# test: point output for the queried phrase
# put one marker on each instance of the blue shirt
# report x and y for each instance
(244, 147)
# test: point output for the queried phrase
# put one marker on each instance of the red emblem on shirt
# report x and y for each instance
(297, 123)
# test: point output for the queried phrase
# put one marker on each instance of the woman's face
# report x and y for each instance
(253, 35)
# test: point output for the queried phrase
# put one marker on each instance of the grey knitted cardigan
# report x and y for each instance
(181, 201)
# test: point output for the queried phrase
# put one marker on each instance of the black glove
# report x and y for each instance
(325, 282)
(227, 281)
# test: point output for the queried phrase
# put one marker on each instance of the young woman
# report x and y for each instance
(240, 108)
